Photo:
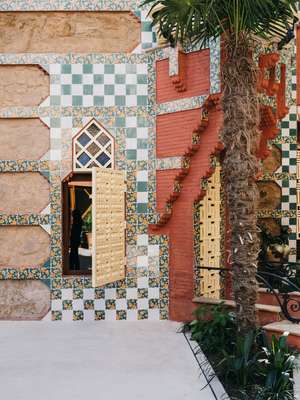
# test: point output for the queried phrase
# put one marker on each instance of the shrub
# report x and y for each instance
(249, 366)
(277, 364)
(239, 366)
(213, 328)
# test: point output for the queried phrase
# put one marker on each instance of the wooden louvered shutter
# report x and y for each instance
(108, 226)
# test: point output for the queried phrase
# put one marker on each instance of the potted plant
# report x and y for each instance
(88, 228)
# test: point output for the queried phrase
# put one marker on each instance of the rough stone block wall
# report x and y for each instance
(23, 85)
(68, 32)
(23, 300)
(23, 193)
(23, 246)
(17, 136)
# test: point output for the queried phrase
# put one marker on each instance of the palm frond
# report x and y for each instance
(202, 20)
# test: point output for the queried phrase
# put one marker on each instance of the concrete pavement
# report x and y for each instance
(140, 360)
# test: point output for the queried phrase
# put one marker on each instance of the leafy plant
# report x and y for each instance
(240, 366)
(88, 222)
(277, 364)
(213, 328)
(249, 366)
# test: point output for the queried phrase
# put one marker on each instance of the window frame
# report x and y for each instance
(75, 140)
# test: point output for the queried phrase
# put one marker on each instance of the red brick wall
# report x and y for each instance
(164, 186)
(180, 226)
(197, 72)
(174, 132)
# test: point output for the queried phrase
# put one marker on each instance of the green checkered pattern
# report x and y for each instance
(100, 85)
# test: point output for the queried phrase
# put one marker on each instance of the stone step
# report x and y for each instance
(266, 313)
(278, 328)
(265, 297)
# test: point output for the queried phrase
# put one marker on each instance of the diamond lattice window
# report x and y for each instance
(93, 147)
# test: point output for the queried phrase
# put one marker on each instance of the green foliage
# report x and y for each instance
(88, 222)
(277, 364)
(202, 20)
(239, 367)
(249, 366)
(213, 328)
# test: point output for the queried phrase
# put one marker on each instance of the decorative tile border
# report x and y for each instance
(181, 105)
(276, 214)
(69, 5)
(19, 112)
(25, 219)
(169, 163)
(278, 176)
(25, 166)
(44, 60)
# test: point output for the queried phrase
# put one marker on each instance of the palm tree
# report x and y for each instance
(240, 24)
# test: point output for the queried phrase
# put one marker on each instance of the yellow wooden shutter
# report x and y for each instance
(108, 226)
(210, 237)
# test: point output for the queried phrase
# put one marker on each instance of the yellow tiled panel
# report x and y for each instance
(210, 236)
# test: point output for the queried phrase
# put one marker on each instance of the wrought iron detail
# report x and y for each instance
(278, 279)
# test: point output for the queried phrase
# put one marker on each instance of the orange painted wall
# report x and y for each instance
(174, 131)
(173, 138)
(197, 67)
(180, 226)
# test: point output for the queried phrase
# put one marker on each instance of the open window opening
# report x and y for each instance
(77, 224)
(94, 209)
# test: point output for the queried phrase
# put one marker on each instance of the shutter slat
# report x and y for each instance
(108, 226)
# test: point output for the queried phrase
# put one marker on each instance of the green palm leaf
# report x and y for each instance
(201, 20)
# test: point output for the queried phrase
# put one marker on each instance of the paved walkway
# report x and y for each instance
(106, 360)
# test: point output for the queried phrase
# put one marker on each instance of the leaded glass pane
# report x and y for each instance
(84, 158)
(103, 139)
(84, 139)
(98, 148)
(93, 148)
(93, 129)
(103, 159)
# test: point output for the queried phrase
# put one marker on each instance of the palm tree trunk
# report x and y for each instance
(240, 136)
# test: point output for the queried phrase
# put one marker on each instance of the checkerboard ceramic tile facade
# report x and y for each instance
(143, 295)
(288, 145)
(100, 85)
(118, 90)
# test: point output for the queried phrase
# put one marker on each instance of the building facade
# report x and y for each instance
(86, 87)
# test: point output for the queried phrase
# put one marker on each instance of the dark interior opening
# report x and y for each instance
(77, 224)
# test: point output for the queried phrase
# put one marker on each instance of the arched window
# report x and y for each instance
(93, 146)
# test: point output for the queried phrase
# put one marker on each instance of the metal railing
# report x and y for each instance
(281, 280)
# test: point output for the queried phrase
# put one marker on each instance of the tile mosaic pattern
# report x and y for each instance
(118, 90)
(169, 163)
(182, 105)
(285, 176)
(100, 85)
(289, 160)
(142, 295)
